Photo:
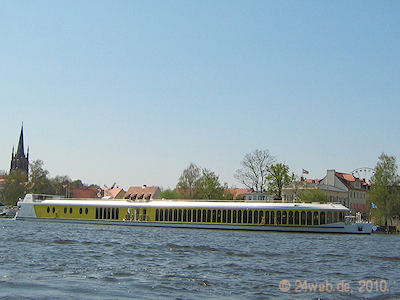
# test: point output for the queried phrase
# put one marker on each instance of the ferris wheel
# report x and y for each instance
(364, 173)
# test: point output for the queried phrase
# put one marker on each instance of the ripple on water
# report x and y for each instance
(111, 262)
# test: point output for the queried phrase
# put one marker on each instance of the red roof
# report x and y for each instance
(113, 193)
(142, 192)
(85, 192)
(238, 193)
(348, 177)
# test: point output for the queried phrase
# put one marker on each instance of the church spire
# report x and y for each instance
(20, 149)
(18, 159)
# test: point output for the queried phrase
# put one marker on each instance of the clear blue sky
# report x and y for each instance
(133, 91)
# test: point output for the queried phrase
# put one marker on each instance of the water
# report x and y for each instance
(58, 261)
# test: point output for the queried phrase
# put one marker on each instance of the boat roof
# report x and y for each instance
(195, 204)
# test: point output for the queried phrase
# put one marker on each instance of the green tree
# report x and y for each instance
(61, 185)
(385, 191)
(313, 195)
(39, 183)
(15, 187)
(278, 177)
(208, 186)
(255, 170)
(169, 194)
(188, 180)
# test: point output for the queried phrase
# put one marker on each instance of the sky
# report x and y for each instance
(132, 92)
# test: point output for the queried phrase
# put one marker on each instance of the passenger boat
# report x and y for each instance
(295, 217)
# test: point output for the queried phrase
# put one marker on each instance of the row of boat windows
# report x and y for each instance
(53, 210)
(262, 217)
(107, 213)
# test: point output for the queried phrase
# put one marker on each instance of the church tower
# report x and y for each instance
(18, 160)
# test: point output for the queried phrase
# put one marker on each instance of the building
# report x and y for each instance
(355, 188)
(341, 188)
(85, 192)
(258, 196)
(3, 175)
(238, 194)
(114, 193)
(20, 161)
(143, 192)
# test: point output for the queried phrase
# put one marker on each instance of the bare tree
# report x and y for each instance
(255, 169)
(188, 180)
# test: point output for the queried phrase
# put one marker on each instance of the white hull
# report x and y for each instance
(358, 228)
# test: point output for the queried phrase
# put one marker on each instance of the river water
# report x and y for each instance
(58, 261)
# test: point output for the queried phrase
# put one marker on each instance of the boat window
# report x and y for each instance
(108, 213)
(303, 218)
(284, 217)
(245, 216)
(278, 217)
(219, 216)
(290, 218)
(194, 215)
(256, 217)
(157, 215)
(48, 209)
(229, 220)
(316, 218)
(175, 214)
(224, 216)
(309, 218)
(144, 218)
(251, 216)
(162, 214)
(97, 212)
(179, 215)
(80, 210)
(70, 210)
(322, 218)
(116, 213)
(209, 215)
(341, 216)
(329, 217)
(266, 217)
(296, 218)
(87, 211)
(239, 216)
(234, 217)
(272, 219)
(214, 216)
(54, 210)
(261, 217)
(184, 215)
(204, 216)
(65, 210)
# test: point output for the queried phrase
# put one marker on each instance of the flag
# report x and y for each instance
(373, 205)
(305, 171)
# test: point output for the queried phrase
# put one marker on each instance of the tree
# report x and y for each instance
(15, 187)
(61, 185)
(255, 170)
(39, 183)
(188, 180)
(278, 177)
(385, 191)
(313, 195)
(208, 186)
(169, 194)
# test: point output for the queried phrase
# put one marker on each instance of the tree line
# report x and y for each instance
(259, 172)
(17, 184)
